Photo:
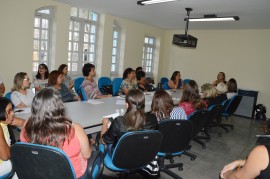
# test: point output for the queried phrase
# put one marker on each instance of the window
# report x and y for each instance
(115, 51)
(42, 37)
(82, 45)
(148, 55)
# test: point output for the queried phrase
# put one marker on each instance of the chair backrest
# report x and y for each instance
(186, 81)
(136, 149)
(176, 135)
(103, 81)
(198, 118)
(166, 86)
(163, 80)
(83, 94)
(116, 85)
(77, 83)
(214, 112)
(233, 104)
(40, 161)
(8, 95)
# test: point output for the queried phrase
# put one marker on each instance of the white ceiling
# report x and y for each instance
(253, 14)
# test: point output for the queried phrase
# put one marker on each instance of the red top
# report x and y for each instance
(72, 149)
(188, 107)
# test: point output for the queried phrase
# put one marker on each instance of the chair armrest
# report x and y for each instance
(95, 165)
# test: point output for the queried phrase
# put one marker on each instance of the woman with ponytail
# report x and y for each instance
(133, 120)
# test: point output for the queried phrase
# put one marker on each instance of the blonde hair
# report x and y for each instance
(18, 81)
(209, 91)
(221, 88)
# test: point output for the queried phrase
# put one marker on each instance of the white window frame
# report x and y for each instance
(148, 55)
(116, 48)
(85, 45)
(38, 39)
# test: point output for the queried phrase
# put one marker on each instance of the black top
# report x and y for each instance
(214, 101)
(265, 174)
(118, 128)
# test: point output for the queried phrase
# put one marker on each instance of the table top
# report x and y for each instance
(89, 114)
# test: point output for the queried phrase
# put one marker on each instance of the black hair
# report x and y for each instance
(140, 75)
(126, 72)
(87, 68)
(61, 67)
(46, 75)
(138, 69)
(3, 105)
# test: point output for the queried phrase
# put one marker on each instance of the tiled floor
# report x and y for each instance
(219, 151)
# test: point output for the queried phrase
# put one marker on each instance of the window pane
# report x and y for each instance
(115, 34)
(74, 66)
(114, 51)
(87, 28)
(76, 26)
(35, 66)
(68, 66)
(75, 57)
(92, 38)
(44, 34)
(91, 57)
(69, 46)
(76, 36)
(85, 57)
(44, 11)
(113, 59)
(43, 56)
(43, 45)
(70, 25)
(74, 12)
(85, 47)
(36, 45)
(70, 36)
(45, 23)
(36, 33)
(69, 56)
(114, 43)
(83, 13)
(146, 40)
(93, 29)
(37, 22)
(113, 68)
(151, 41)
(92, 48)
(86, 38)
(93, 16)
(35, 56)
(75, 46)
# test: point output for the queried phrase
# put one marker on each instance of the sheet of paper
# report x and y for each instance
(93, 101)
(114, 115)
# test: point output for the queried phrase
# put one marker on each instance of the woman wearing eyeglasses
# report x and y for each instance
(6, 118)
(21, 96)
(41, 79)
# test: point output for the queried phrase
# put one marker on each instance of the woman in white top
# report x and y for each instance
(41, 79)
(21, 95)
(232, 88)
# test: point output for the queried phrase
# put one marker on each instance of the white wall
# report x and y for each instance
(241, 54)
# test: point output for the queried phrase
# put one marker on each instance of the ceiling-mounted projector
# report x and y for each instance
(185, 40)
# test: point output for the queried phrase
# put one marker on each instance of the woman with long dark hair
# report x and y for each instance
(176, 82)
(41, 78)
(191, 99)
(134, 119)
(49, 126)
(6, 118)
(129, 81)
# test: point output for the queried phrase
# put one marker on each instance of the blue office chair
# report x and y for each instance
(8, 95)
(176, 138)
(116, 83)
(77, 83)
(133, 151)
(83, 94)
(232, 106)
(164, 80)
(40, 161)
(103, 84)
(166, 86)
(186, 81)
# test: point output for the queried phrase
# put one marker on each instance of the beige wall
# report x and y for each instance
(241, 54)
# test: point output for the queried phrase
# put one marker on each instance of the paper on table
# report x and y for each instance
(121, 97)
(93, 101)
(120, 102)
(112, 115)
(22, 110)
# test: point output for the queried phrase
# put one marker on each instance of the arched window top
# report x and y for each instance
(44, 11)
(83, 14)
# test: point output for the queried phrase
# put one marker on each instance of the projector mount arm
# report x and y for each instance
(187, 20)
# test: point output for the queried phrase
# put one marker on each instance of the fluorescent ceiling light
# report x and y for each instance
(147, 2)
(209, 19)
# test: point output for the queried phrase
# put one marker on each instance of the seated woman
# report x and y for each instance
(41, 79)
(232, 88)
(134, 119)
(49, 126)
(56, 81)
(89, 85)
(128, 82)
(176, 82)
(21, 96)
(162, 107)
(256, 165)
(67, 79)
(220, 79)
(142, 85)
(191, 99)
(6, 118)
(210, 95)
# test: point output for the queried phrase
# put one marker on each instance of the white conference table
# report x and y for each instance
(89, 115)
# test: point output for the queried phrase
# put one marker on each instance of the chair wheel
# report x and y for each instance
(192, 158)
(219, 134)
(171, 161)
(204, 147)
(180, 168)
